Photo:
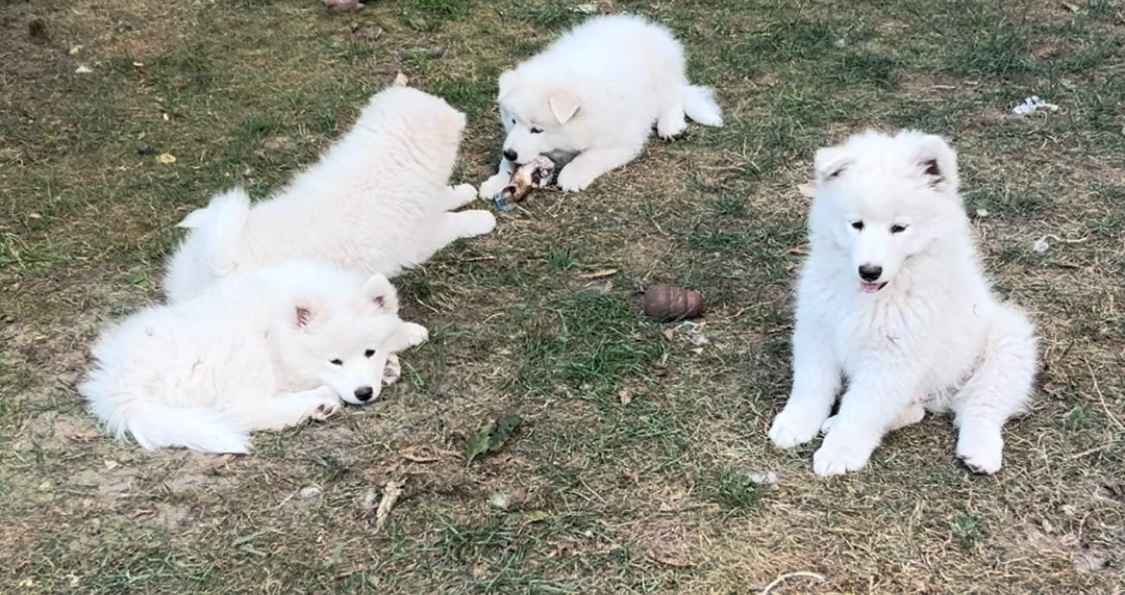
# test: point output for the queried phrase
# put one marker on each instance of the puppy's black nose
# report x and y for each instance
(364, 393)
(869, 272)
(511, 155)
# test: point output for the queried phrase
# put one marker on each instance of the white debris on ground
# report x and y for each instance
(1041, 246)
(1032, 105)
(765, 479)
(690, 331)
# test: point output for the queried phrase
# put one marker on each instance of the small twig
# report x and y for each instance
(777, 581)
(1101, 397)
(1091, 451)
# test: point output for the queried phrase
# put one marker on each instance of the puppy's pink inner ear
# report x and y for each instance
(304, 315)
(930, 168)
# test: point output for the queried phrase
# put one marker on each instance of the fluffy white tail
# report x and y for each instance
(700, 105)
(155, 425)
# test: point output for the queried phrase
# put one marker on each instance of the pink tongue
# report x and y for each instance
(870, 287)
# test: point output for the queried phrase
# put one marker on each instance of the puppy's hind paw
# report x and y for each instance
(392, 372)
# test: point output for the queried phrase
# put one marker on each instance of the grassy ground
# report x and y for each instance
(632, 471)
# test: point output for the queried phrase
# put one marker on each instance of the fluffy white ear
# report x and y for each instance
(564, 105)
(195, 218)
(937, 161)
(379, 292)
(830, 162)
(506, 82)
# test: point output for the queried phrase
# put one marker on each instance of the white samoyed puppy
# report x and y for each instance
(258, 351)
(376, 202)
(596, 92)
(893, 299)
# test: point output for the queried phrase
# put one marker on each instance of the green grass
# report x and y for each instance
(589, 342)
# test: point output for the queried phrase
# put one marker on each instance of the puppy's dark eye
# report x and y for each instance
(857, 225)
(535, 130)
(369, 353)
(337, 362)
(896, 228)
(513, 120)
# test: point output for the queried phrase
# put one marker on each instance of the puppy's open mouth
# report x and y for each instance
(871, 287)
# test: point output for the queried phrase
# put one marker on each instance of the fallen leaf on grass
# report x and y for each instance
(491, 436)
(166, 158)
(401, 80)
(806, 190)
(418, 455)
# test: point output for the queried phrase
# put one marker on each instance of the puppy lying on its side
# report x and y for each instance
(376, 202)
(258, 351)
(597, 91)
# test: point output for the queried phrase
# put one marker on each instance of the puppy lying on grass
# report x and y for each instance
(259, 351)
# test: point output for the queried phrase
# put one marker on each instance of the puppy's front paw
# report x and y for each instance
(574, 178)
(325, 409)
(462, 194)
(794, 425)
(415, 334)
(492, 186)
(842, 452)
(477, 223)
(981, 448)
(392, 371)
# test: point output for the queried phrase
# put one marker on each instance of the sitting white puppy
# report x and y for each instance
(376, 202)
(257, 351)
(596, 92)
(893, 299)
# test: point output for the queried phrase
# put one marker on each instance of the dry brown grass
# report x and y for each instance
(592, 495)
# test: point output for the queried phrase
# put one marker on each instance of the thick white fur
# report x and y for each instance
(934, 336)
(376, 202)
(253, 352)
(597, 91)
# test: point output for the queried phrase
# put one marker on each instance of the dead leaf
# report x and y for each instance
(82, 436)
(536, 516)
(418, 455)
(1070, 7)
(166, 158)
(625, 396)
(391, 492)
(598, 274)
(401, 80)
(83, 69)
(491, 436)
(807, 190)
